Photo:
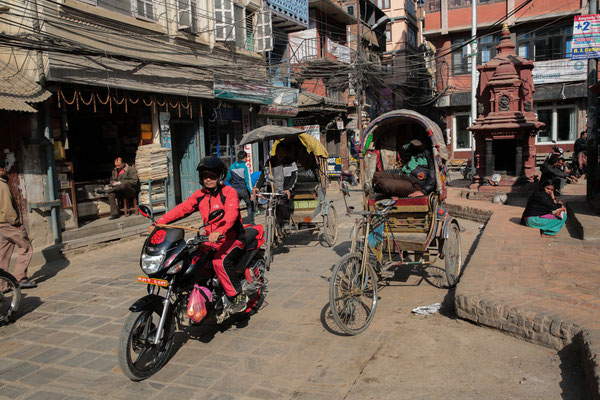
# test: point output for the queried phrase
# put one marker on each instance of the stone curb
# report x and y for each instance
(537, 327)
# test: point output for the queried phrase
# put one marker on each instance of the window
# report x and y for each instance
(187, 15)
(143, 9)
(383, 4)
(122, 7)
(561, 123)
(224, 20)
(412, 37)
(550, 43)
(388, 32)
(410, 7)
(263, 33)
(487, 48)
(462, 137)
(239, 18)
(335, 94)
(460, 57)
(432, 5)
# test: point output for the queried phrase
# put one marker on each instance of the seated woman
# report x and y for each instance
(543, 211)
(415, 178)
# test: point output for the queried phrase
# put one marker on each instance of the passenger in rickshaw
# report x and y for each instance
(279, 174)
(415, 177)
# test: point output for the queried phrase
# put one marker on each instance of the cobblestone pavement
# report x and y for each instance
(64, 343)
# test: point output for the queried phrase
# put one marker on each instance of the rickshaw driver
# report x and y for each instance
(418, 172)
(284, 172)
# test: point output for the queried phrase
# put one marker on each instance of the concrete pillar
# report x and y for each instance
(519, 161)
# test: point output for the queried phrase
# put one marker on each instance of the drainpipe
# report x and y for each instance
(50, 173)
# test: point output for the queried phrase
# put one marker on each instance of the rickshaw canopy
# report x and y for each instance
(311, 144)
(398, 117)
(269, 132)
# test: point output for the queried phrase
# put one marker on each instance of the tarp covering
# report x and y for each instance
(311, 144)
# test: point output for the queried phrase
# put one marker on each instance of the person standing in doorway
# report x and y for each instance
(13, 233)
(123, 184)
(239, 178)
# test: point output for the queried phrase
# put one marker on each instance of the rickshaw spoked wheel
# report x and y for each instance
(353, 294)
(453, 255)
(330, 226)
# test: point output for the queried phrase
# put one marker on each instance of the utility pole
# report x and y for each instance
(358, 89)
(473, 52)
(592, 121)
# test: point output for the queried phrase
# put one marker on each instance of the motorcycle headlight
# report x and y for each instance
(151, 264)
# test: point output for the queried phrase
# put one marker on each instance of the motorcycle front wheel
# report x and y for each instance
(139, 357)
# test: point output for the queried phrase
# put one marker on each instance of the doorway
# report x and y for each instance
(505, 156)
(186, 156)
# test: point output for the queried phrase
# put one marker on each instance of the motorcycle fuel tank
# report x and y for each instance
(162, 240)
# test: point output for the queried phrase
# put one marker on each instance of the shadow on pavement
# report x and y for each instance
(328, 322)
(49, 270)
(28, 304)
(573, 383)
(343, 248)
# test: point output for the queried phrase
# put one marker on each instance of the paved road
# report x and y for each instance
(64, 343)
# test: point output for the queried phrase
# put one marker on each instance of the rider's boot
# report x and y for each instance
(239, 302)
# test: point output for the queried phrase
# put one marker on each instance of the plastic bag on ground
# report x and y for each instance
(428, 310)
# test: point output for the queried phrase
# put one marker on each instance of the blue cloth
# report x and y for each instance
(239, 176)
(546, 225)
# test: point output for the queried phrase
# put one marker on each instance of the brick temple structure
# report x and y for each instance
(506, 126)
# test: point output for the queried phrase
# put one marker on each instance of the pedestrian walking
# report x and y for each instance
(13, 233)
(238, 177)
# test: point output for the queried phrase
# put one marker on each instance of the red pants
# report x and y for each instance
(225, 264)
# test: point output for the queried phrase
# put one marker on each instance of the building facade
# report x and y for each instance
(542, 33)
(130, 73)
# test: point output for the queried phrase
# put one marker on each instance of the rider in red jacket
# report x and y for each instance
(225, 235)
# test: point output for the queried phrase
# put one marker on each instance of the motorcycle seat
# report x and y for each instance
(250, 246)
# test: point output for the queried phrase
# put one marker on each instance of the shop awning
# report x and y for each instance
(16, 91)
(135, 76)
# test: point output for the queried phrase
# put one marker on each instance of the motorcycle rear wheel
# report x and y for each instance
(138, 357)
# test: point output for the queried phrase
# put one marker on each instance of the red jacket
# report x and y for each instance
(205, 202)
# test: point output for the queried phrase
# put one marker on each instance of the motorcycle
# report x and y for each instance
(176, 265)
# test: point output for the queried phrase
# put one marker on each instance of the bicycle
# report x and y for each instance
(10, 296)
(273, 231)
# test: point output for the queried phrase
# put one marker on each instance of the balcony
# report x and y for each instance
(304, 49)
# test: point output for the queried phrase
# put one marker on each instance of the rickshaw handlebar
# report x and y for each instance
(280, 194)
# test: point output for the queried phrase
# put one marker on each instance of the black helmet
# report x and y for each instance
(212, 164)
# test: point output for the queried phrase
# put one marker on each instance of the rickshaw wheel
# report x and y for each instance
(330, 226)
(453, 256)
(352, 295)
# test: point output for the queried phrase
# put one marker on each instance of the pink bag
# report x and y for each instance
(196, 309)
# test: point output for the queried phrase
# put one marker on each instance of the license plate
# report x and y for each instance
(152, 281)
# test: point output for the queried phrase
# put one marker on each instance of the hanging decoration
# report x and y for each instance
(126, 99)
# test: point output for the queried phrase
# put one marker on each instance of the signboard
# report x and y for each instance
(313, 130)
(586, 37)
(334, 166)
(555, 71)
(278, 111)
(248, 150)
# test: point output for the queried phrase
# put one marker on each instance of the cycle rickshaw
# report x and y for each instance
(393, 232)
(311, 211)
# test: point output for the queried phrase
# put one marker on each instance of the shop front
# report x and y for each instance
(91, 127)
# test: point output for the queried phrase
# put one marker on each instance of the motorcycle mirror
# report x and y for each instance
(145, 211)
(215, 216)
